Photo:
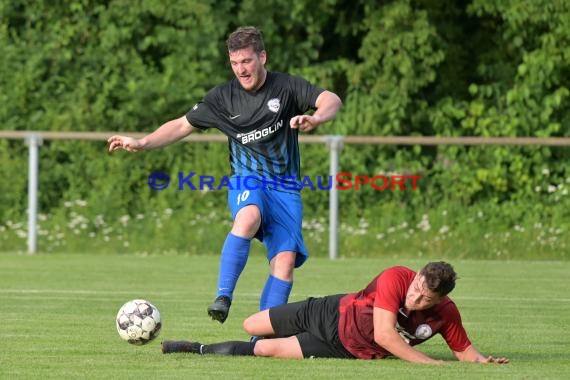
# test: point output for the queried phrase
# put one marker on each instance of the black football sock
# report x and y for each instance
(235, 348)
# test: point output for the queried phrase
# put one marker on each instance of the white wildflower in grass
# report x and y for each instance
(139, 217)
(124, 220)
(42, 217)
(480, 214)
(537, 189)
(126, 244)
(2, 228)
(99, 221)
(67, 204)
(313, 225)
(60, 236)
(546, 172)
(551, 188)
(91, 234)
(403, 226)
(391, 230)
(21, 234)
(444, 229)
(444, 212)
(537, 225)
(424, 225)
(80, 203)
(168, 211)
(564, 191)
(518, 228)
(15, 226)
(380, 236)
(106, 238)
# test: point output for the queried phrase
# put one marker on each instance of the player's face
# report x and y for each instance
(419, 297)
(248, 67)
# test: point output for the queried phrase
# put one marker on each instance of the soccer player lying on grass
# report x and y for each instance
(399, 309)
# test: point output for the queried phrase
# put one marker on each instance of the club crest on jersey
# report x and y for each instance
(274, 105)
(423, 331)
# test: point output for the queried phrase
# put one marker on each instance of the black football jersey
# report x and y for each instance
(261, 142)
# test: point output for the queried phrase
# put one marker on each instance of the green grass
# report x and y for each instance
(58, 316)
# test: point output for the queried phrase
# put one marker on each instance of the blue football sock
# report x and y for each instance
(232, 261)
(276, 292)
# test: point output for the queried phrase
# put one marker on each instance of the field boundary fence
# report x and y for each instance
(34, 140)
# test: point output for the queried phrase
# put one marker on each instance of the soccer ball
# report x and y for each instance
(138, 322)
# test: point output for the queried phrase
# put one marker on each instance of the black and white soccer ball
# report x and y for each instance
(138, 322)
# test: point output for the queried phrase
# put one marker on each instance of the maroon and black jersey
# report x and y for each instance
(388, 291)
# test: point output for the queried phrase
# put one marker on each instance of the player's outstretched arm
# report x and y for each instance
(327, 104)
(167, 133)
(472, 355)
(385, 335)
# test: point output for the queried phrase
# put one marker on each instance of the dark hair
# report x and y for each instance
(244, 37)
(439, 277)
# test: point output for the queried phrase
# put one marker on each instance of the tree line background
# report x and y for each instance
(424, 67)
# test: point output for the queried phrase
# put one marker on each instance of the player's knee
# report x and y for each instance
(264, 347)
(249, 326)
(283, 265)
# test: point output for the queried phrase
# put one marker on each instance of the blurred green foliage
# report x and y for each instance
(424, 67)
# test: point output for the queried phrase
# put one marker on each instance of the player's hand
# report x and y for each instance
(123, 142)
(490, 359)
(304, 123)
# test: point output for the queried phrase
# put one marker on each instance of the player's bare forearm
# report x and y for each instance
(397, 347)
(327, 104)
(472, 355)
(167, 133)
(386, 336)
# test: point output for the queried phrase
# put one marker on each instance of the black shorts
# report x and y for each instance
(315, 324)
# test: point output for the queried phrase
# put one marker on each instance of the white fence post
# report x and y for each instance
(335, 144)
(33, 141)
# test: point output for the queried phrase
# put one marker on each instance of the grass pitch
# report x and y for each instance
(58, 314)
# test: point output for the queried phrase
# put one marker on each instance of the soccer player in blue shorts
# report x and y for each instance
(262, 113)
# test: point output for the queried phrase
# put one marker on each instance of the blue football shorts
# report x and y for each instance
(281, 217)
